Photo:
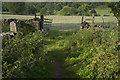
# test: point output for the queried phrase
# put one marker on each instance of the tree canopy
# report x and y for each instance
(67, 11)
(47, 8)
(16, 7)
(63, 8)
(115, 7)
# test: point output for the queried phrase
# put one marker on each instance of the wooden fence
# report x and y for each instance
(38, 23)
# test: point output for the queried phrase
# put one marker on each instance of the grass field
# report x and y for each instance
(67, 23)
(62, 19)
(104, 12)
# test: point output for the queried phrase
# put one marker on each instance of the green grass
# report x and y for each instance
(63, 19)
(5, 16)
(104, 12)
(60, 19)
(103, 7)
(38, 13)
(67, 23)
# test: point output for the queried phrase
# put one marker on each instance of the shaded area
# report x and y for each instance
(60, 70)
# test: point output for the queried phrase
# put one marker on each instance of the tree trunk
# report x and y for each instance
(41, 22)
(35, 15)
(118, 18)
(118, 23)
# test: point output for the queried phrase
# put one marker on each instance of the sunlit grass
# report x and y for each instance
(67, 23)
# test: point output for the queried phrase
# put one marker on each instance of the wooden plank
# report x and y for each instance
(88, 19)
(47, 22)
(48, 19)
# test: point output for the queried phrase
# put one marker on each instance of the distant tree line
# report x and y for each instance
(115, 10)
(59, 8)
(50, 8)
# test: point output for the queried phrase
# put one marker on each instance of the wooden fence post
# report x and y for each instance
(35, 15)
(82, 19)
(93, 17)
(103, 20)
(41, 22)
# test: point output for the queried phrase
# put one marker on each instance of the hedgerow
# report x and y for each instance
(93, 55)
(88, 54)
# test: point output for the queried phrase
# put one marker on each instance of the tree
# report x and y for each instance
(58, 7)
(93, 12)
(4, 8)
(67, 11)
(83, 10)
(16, 7)
(115, 7)
(31, 8)
(43, 11)
(49, 8)
(75, 4)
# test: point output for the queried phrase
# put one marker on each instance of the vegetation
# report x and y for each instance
(15, 7)
(22, 27)
(84, 54)
(104, 12)
(67, 11)
(54, 8)
(24, 56)
(93, 55)
(116, 10)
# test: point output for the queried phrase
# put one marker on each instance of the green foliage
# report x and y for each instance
(104, 12)
(52, 8)
(4, 8)
(84, 54)
(25, 56)
(58, 7)
(43, 11)
(115, 6)
(22, 27)
(93, 12)
(25, 28)
(93, 55)
(67, 11)
(30, 8)
(5, 28)
(49, 8)
(83, 10)
(16, 7)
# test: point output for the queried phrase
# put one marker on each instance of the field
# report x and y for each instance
(67, 23)
(103, 10)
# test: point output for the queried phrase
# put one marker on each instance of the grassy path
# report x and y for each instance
(56, 52)
(59, 65)
(58, 69)
(58, 56)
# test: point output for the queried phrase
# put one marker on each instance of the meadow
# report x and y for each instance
(68, 23)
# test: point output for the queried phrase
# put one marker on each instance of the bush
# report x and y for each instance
(93, 55)
(25, 56)
(5, 28)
